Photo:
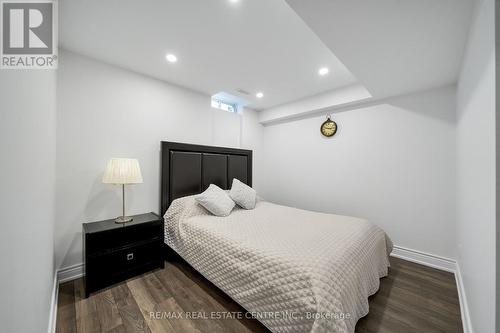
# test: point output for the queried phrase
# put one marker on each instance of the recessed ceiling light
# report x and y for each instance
(234, 1)
(171, 57)
(259, 94)
(323, 71)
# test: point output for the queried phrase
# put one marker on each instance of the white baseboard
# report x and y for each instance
(60, 276)
(425, 259)
(464, 307)
(445, 264)
(53, 305)
(70, 273)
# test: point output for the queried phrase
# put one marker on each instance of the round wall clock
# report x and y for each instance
(328, 128)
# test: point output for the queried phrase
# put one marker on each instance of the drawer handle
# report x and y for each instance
(130, 256)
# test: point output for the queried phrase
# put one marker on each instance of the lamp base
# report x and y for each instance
(123, 219)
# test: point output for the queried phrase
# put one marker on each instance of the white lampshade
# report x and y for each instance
(122, 171)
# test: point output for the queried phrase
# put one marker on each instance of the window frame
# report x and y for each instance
(218, 104)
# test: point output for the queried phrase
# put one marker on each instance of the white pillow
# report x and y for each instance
(243, 194)
(215, 200)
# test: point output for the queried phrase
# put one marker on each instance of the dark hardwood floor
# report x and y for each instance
(412, 298)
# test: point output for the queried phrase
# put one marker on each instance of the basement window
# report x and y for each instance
(222, 105)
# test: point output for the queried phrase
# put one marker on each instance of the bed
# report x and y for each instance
(294, 270)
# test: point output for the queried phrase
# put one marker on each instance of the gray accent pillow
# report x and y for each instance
(243, 195)
(216, 201)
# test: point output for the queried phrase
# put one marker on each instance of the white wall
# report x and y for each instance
(28, 128)
(103, 112)
(476, 169)
(336, 98)
(393, 163)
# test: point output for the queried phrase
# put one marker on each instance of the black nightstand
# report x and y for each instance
(114, 252)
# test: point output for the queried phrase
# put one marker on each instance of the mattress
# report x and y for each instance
(294, 270)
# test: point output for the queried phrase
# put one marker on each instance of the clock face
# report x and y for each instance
(329, 128)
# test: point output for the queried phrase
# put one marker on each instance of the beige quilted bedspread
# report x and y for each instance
(294, 270)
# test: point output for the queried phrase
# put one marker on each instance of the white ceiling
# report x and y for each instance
(389, 46)
(393, 46)
(254, 45)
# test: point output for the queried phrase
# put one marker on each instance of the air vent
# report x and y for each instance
(244, 92)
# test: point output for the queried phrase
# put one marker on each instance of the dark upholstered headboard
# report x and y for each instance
(188, 169)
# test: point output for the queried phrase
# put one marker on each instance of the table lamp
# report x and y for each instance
(122, 171)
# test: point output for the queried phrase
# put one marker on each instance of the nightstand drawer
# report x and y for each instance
(125, 259)
(108, 241)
